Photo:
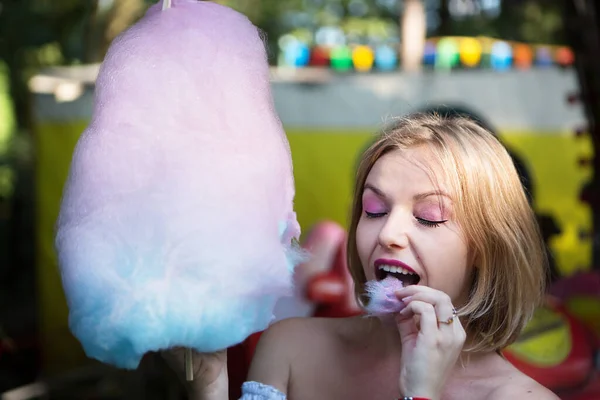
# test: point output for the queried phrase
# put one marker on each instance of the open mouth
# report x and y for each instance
(406, 277)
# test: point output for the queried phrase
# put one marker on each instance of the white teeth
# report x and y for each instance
(397, 270)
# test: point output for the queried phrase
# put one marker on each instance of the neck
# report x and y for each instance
(385, 330)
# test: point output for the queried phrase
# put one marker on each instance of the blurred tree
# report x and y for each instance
(532, 21)
(273, 16)
(541, 22)
(66, 32)
(24, 49)
(106, 22)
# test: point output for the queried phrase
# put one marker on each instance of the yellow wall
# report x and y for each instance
(54, 145)
(324, 164)
(553, 160)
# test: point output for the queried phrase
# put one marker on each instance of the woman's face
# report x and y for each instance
(407, 228)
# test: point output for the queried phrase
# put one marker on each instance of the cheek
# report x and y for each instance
(364, 242)
(449, 267)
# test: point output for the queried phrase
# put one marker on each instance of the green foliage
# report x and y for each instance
(7, 122)
(530, 21)
(541, 23)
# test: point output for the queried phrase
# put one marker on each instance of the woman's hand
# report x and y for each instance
(209, 371)
(432, 340)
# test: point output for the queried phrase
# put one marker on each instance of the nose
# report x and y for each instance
(394, 232)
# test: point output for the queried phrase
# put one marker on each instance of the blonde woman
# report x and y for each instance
(439, 205)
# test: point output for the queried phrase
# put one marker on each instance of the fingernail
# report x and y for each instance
(403, 311)
(406, 299)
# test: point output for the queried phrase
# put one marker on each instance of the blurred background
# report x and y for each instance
(527, 69)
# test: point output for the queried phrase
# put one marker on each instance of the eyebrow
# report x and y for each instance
(422, 196)
(374, 190)
(416, 197)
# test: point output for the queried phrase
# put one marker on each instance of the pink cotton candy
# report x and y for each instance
(177, 223)
(382, 298)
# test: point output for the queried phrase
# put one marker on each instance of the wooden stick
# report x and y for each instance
(189, 366)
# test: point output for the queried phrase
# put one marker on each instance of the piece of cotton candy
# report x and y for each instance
(381, 298)
(177, 226)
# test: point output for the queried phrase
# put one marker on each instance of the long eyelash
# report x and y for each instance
(432, 224)
(373, 215)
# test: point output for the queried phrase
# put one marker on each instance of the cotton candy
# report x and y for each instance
(381, 297)
(176, 226)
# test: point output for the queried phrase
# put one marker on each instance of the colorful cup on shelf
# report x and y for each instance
(319, 57)
(341, 58)
(501, 56)
(363, 58)
(564, 56)
(522, 56)
(447, 55)
(386, 58)
(470, 51)
(543, 57)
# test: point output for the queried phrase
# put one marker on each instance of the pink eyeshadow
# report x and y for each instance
(373, 205)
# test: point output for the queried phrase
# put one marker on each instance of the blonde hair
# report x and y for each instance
(493, 211)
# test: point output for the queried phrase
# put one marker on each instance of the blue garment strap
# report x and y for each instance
(259, 391)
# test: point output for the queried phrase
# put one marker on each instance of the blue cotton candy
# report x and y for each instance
(177, 226)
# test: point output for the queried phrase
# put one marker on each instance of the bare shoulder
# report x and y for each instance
(492, 377)
(516, 385)
(288, 340)
(287, 333)
(522, 389)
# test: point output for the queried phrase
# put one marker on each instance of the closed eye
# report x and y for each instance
(374, 215)
(432, 224)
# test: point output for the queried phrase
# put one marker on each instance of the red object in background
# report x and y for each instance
(239, 359)
(319, 57)
(577, 377)
(574, 371)
(333, 291)
(583, 283)
(590, 392)
(564, 56)
(237, 369)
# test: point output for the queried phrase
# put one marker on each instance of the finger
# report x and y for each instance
(414, 289)
(440, 301)
(425, 312)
